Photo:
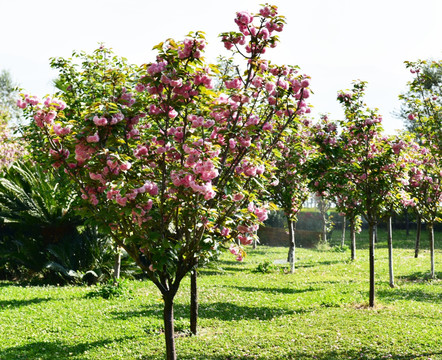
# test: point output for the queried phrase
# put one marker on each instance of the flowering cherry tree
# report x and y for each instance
(424, 188)
(329, 179)
(372, 164)
(290, 190)
(423, 106)
(166, 165)
(422, 103)
(362, 164)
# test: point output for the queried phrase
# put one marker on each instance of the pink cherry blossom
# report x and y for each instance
(100, 121)
(93, 138)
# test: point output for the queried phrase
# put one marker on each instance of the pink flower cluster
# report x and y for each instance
(189, 181)
(157, 67)
(43, 117)
(237, 251)
(260, 212)
(191, 47)
(249, 169)
(61, 131)
(28, 100)
(83, 153)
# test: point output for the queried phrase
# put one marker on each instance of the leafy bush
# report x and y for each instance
(111, 289)
(266, 267)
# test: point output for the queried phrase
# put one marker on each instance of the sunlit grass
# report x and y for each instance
(320, 312)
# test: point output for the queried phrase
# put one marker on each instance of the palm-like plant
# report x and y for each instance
(40, 230)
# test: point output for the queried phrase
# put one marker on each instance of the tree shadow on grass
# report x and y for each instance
(220, 267)
(53, 350)
(271, 290)
(7, 304)
(395, 294)
(230, 312)
(420, 276)
(219, 310)
(310, 264)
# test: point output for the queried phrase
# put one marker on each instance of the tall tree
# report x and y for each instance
(168, 167)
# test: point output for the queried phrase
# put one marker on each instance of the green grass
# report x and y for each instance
(319, 312)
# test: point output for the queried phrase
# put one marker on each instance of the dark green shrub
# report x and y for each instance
(41, 235)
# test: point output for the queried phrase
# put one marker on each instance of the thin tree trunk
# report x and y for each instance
(169, 330)
(117, 263)
(254, 244)
(353, 238)
(418, 235)
(375, 234)
(371, 261)
(407, 223)
(343, 231)
(390, 252)
(324, 228)
(291, 258)
(431, 236)
(194, 302)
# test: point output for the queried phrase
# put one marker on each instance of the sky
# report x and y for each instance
(333, 41)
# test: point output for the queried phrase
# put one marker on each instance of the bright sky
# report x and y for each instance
(333, 41)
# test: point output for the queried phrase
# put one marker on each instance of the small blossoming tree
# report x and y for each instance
(330, 180)
(425, 190)
(373, 164)
(363, 164)
(170, 168)
(289, 190)
(423, 106)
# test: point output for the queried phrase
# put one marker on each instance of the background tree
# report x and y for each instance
(423, 97)
(8, 97)
(330, 180)
(424, 187)
(422, 105)
(361, 161)
(11, 148)
(290, 190)
(372, 163)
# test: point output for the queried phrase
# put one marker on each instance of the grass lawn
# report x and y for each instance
(317, 313)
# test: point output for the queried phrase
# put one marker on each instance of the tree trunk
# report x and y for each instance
(371, 261)
(324, 227)
(254, 244)
(343, 231)
(353, 238)
(117, 263)
(390, 252)
(431, 237)
(418, 235)
(407, 223)
(169, 330)
(194, 302)
(375, 234)
(292, 245)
